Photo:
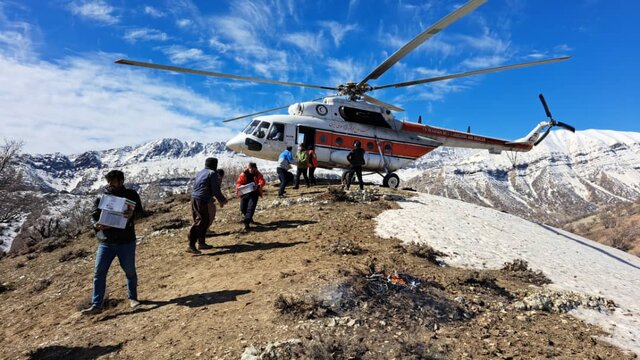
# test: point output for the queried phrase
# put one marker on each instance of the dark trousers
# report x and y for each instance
(358, 171)
(248, 205)
(303, 172)
(200, 214)
(282, 176)
(312, 178)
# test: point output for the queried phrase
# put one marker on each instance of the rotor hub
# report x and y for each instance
(353, 90)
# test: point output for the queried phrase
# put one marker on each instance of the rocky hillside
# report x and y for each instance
(567, 176)
(313, 281)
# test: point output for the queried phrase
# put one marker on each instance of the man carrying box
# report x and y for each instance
(114, 241)
(249, 188)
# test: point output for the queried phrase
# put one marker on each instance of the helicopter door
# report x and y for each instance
(306, 136)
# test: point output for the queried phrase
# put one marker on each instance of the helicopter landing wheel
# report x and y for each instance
(391, 180)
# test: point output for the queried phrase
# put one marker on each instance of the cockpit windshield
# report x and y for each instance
(261, 130)
(249, 129)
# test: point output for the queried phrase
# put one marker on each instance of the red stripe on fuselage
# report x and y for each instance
(397, 148)
(436, 132)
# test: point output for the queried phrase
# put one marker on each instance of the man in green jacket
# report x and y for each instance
(303, 162)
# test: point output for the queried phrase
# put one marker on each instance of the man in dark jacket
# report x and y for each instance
(115, 242)
(205, 186)
(356, 159)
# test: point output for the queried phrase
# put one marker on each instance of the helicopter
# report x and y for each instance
(332, 124)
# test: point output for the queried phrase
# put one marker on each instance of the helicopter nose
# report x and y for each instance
(236, 143)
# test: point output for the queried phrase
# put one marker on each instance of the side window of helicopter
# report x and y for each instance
(276, 132)
(261, 131)
(369, 146)
(339, 141)
(387, 148)
(249, 129)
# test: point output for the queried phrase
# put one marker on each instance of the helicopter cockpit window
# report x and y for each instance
(276, 132)
(261, 131)
(249, 129)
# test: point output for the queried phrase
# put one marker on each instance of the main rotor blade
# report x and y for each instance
(424, 36)
(381, 103)
(263, 112)
(474, 72)
(216, 74)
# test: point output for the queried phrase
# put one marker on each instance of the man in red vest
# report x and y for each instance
(249, 201)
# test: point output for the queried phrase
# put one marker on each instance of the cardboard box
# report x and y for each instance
(245, 189)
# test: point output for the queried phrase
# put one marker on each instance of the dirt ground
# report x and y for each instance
(312, 282)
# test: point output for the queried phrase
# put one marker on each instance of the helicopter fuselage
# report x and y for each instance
(331, 127)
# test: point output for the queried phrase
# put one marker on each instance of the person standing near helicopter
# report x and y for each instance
(313, 164)
(303, 163)
(356, 159)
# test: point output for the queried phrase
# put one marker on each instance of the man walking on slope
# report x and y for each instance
(284, 164)
(115, 242)
(249, 201)
(205, 186)
(356, 159)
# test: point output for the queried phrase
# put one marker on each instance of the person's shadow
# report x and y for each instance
(281, 224)
(192, 301)
(251, 246)
(73, 352)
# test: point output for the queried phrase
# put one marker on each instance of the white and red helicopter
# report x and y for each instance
(332, 124)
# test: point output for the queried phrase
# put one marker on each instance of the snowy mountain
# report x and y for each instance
(168, 163)
(567, 176)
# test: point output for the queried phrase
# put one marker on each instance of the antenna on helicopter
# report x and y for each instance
(420, 119)
(468, 129)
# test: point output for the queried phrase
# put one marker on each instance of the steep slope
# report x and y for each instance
(484, 238)
(567, 176)
(313, 281)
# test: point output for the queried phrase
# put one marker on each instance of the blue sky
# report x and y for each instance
(61, 92)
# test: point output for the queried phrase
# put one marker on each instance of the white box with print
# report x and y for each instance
(245, 189)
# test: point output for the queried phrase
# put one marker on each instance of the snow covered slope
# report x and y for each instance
(477, 237)
(568, 175)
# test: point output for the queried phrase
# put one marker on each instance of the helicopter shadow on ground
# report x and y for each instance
(73, 352)
(192, 301)
(251, 246)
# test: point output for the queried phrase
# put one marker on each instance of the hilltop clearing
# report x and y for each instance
(313, 281)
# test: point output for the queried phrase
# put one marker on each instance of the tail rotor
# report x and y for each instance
(552, 121)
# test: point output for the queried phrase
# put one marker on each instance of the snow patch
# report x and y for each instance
(478, 237)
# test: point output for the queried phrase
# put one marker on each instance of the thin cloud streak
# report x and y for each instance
(97, 10)
(144, 34)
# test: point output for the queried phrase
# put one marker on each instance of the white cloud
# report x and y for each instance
(15, 36)
(344, 70)
(153, 12)
(87, 103)
(145, 34)
(182, 55)
(97, 10)
(484, 61)
(184, 23)
(537, 55)
(338, 30)
(306, 41)
(562, 49)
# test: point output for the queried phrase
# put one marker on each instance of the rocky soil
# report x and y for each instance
(312, 281)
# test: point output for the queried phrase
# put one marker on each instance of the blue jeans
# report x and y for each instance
(126, 254)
